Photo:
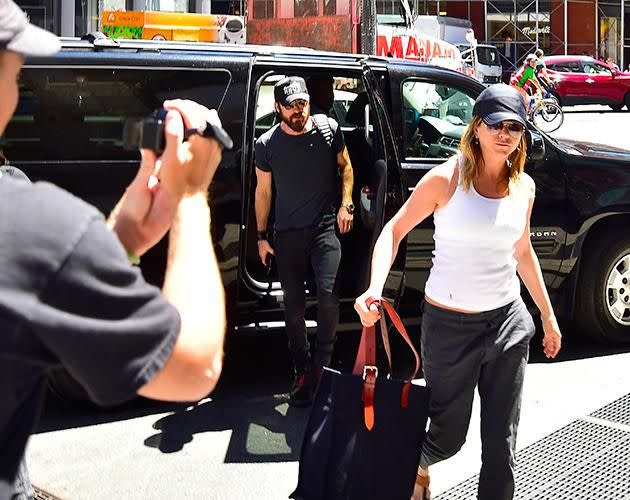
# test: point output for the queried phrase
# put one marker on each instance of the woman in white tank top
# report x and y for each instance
(475, 327)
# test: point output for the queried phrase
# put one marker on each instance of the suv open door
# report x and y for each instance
(361, 110)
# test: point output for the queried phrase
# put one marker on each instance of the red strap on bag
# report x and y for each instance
(365, 362)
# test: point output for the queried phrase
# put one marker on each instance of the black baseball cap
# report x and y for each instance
(18, 35)
(500, 102)
(290, 89)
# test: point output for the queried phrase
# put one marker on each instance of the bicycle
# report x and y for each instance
(545, 112)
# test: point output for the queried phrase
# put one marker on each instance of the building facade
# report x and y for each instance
(78, 17)
(600, 28)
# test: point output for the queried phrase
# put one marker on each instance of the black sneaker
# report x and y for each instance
(300, 395)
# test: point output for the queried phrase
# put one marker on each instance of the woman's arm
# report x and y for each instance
(531, 274)
(431, 192)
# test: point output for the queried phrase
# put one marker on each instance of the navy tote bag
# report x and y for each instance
(365, 431)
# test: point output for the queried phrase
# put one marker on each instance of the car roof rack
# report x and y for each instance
(100, 40)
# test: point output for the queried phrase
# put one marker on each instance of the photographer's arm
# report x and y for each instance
(193, 286)
(192, 283)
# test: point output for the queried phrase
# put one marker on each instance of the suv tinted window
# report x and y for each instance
(79, 113)
(435, 117)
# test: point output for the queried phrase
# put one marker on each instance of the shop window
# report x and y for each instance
(305, 8)
(434, 119)
(79, 114)
(264, 9)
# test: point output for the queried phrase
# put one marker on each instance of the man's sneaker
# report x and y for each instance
(300, 395)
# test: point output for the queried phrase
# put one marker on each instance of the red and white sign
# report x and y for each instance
(402, 43)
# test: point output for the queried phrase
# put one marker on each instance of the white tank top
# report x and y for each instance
(474, 268)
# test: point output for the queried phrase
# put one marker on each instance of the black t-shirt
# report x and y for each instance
(69, 297)
(304, 172)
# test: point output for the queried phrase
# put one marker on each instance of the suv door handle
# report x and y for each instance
(589, 80)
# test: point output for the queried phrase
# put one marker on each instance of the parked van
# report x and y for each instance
(399, 119)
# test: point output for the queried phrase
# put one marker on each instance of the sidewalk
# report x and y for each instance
(567, 449)
(245, 443)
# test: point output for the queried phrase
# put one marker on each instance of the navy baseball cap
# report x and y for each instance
(18, 35)
(500, 102)
(290, 89)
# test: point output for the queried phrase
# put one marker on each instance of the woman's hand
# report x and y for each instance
(552, 340)
(368, 315)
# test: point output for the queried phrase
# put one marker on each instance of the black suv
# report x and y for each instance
(399, 120)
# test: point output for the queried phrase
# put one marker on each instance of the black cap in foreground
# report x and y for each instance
(290, 89)
(500, 102)
(18, 35)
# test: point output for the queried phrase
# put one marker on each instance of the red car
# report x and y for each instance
(584, 80)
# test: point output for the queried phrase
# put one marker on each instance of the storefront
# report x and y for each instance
(600, 28)
(77, 17)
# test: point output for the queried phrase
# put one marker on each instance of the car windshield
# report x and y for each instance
(488, 56)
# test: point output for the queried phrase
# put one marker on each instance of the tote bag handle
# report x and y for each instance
(365, 362)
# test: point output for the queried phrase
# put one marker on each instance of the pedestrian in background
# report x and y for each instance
(541, 71)
(525, 80)
(304, 162)
(475, 327)
(70, 297)
(612, 63)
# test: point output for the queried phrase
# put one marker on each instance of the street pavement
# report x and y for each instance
(596, 124)
(244, 441)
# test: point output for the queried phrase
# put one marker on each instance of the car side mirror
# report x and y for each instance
(535, 145)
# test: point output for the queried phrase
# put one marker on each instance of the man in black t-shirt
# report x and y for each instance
(303, 157)
(70, 297)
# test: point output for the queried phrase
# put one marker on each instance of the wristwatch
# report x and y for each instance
(261, 235)
(349, 207)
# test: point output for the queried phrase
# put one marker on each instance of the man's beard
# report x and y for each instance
(296, 126)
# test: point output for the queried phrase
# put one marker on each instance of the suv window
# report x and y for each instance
(345, 92)
(78, 113)
(435, 117)
(596, 69)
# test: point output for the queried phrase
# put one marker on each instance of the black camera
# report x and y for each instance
(148, 133)
(145, 133)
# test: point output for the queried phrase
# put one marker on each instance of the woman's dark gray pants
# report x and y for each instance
(487, 350)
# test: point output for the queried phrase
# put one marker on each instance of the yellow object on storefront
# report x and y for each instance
(177, 26)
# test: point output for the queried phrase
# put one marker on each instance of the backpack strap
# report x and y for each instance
(323, 127)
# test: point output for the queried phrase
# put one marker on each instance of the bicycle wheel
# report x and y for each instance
(549, 117)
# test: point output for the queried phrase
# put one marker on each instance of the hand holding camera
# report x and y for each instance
(178, 160)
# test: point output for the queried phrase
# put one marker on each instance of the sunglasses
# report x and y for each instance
(513, 128)
(297, 104)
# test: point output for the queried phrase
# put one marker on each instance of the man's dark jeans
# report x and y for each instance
(294, 249)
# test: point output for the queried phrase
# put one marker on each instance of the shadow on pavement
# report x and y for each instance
(262, 430)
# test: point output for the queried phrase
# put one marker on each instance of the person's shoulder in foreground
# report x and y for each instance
(70, 289)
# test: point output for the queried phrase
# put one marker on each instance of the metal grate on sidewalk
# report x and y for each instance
(617, 411)
(582, 461)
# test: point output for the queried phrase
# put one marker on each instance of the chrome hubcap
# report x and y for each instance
(617, 290)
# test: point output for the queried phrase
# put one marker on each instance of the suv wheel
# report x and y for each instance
(604, 292)
(616, 107)
(627, 101)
